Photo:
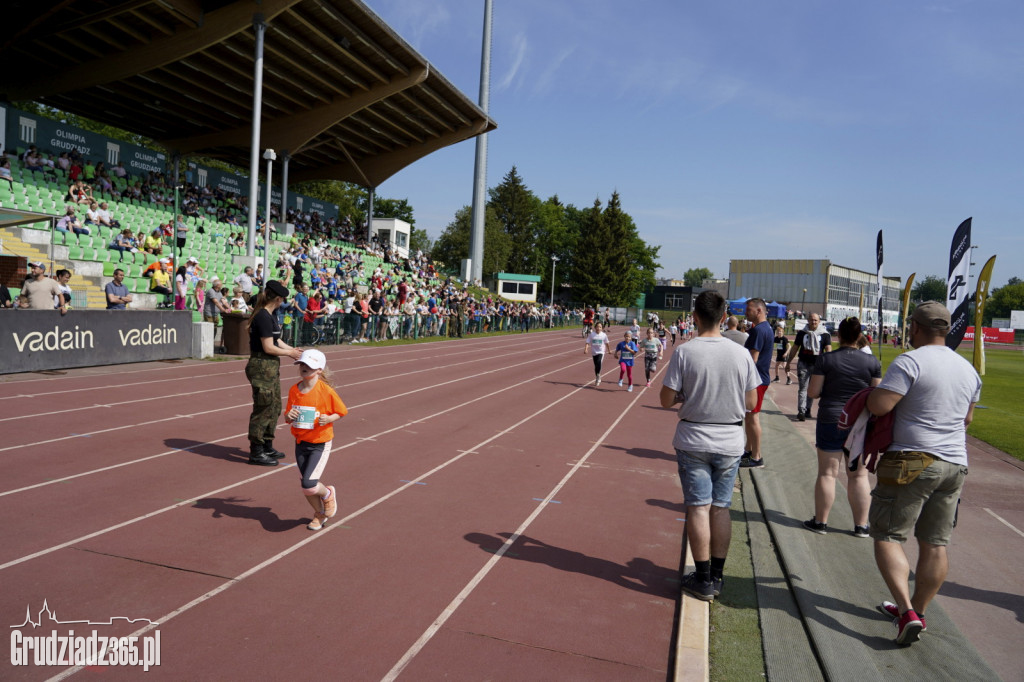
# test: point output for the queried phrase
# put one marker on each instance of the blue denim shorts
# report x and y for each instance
(707, 477)
(829, 437)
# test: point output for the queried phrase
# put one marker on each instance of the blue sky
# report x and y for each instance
(743, 128)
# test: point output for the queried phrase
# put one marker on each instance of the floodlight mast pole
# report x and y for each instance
(259, 27)
(270, 156)
(476, 235)
(554, 259)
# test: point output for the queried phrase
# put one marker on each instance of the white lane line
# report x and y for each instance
(246, 385)
(129, 522)
(493, 560)
(80, 408)
(114, 428)
(111, 386)
(340, 447)
(1009, 525)
(249, 404)
(235, 372)
(340, 523)
(106, 370)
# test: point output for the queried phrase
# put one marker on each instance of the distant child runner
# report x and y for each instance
(674, 329)
(624, 352)
(634, 331)
(653, 351)
(313, 445)
(662, 334)
(781, 349)
(597, 345)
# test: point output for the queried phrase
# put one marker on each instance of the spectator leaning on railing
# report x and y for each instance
(41, 290)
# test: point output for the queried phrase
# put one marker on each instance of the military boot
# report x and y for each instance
(258, 456)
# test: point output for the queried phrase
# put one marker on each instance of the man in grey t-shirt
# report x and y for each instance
(715, 381)
(931, 392)
(732, 331)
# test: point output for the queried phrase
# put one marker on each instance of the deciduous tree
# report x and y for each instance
(694, 277)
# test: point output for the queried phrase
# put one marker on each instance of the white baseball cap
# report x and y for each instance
(312, 358)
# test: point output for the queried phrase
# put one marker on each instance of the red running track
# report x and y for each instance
(498, 518)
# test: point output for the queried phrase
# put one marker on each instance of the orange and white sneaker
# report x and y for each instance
(331, 504)
(318, 521)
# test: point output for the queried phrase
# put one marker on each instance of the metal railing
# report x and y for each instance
(346, 328)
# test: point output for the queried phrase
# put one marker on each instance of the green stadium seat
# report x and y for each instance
(109, 267)
(75, 252)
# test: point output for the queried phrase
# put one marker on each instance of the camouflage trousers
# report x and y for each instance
(264, 373)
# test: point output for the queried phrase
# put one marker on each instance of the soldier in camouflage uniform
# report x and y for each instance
(264, 373)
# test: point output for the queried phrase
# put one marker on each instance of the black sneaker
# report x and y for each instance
(695, 587)
(815, 527)
(800, 416)
(749, 463)
(747, 454)
(788, 381)
(861, 531)
(717, 585)
(775, 380)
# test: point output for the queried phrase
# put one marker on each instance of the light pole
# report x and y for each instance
(803, 305)
(554, 259)
(270, 156)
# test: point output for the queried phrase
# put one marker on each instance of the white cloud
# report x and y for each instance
(416, 20)
(519, 45)
(545, 81)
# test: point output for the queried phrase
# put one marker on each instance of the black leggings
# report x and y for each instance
(650, 367)
(597, 363)
(310, 459)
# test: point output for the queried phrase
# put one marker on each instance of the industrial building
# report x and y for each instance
(833, 291)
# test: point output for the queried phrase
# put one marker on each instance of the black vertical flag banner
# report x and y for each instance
(958, 297)
(878, 260)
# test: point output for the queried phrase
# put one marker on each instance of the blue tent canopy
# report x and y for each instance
(738, 307)
(776, 309)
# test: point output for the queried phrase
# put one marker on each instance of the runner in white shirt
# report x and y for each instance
(597, 345)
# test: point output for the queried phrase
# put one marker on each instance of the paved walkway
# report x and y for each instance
(837, 585)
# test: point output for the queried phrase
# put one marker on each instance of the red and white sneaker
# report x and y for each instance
(908, 628)
(887, 608)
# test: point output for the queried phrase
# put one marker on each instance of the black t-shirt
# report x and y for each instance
(846, 371)
(805, 354)
(375, 306)
(781, 347)
(263, 325)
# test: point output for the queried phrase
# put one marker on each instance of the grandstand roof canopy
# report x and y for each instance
(343, 94)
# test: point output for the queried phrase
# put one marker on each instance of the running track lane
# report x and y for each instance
(560, 428)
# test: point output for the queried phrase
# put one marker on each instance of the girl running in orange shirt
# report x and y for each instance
(313, 432)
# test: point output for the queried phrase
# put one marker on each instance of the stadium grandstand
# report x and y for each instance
(334, 90)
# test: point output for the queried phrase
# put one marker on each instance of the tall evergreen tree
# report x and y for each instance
(618, 254)
(516, 209)
(557, 235)
(592, 275)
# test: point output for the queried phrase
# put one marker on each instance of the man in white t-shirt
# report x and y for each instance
(715, 383)
(931, 392)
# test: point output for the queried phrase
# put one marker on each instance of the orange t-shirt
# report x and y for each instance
(326, 401)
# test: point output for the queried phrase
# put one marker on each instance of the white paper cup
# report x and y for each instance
(307, 417)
